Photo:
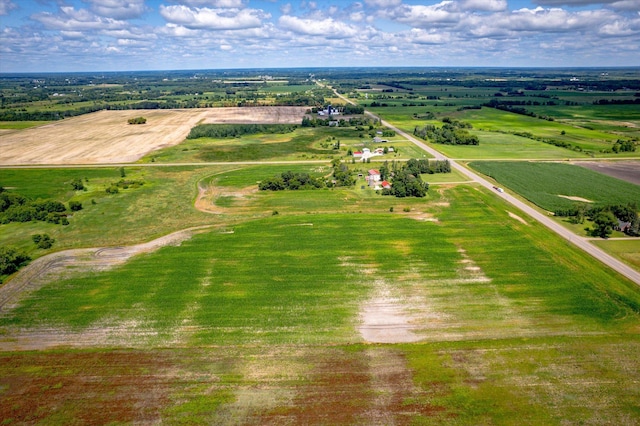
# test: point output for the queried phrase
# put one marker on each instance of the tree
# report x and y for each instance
(604, 222)
(11, 260)
(75, 206)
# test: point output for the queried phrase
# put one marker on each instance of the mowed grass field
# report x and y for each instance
(257, 320)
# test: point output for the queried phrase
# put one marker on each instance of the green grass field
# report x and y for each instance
(257, 319)
(260, 324)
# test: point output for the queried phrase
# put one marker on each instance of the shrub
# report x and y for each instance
(43, 241)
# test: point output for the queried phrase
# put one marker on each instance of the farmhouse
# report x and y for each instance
(373, 178)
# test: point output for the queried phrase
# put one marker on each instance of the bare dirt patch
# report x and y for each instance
(255, 115)
(83, 388)
(100, 137)
(624, 170)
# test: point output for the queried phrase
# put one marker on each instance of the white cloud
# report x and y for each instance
(383, 3)
(484, 5)
(630, 5)
(420, 15)
(328, 27)
(118, 9)
(420, 36)
(616, 29)
(212, 3)
(213, 19)
(6, 6)
(71, 19)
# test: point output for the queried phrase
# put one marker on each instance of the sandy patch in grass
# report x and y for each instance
(385, 320)
(572, 198)
(518, 218)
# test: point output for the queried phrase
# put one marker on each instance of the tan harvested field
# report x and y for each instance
(255, 115)
(105, 137)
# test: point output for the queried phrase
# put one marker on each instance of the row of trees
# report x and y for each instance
(236, 130)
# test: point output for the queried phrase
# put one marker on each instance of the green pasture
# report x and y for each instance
(19, 125)
(260, 319)
(162, 205)
(543, 183)
(301, 144)
(627, 250)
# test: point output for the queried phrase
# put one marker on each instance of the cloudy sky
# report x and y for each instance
(112, 35)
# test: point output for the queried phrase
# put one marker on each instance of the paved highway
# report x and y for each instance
(580, 242)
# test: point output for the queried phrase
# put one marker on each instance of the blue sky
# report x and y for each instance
(118, 35)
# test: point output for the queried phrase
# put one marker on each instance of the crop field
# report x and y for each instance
(268, 320)
(549, 185)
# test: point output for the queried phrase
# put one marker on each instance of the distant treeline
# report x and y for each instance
(511, 106)
(617, 101)
(235, 130)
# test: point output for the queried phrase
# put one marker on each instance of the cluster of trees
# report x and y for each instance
(405, 178)
(11, 259)
(406, 184)
(624, 146)
(17, 208)
(137, 120)
(292, 181)
(605, 218)
(236, 130)
(341, 176)
(451, 133)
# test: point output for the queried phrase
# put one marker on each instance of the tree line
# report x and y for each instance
(236, 130)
